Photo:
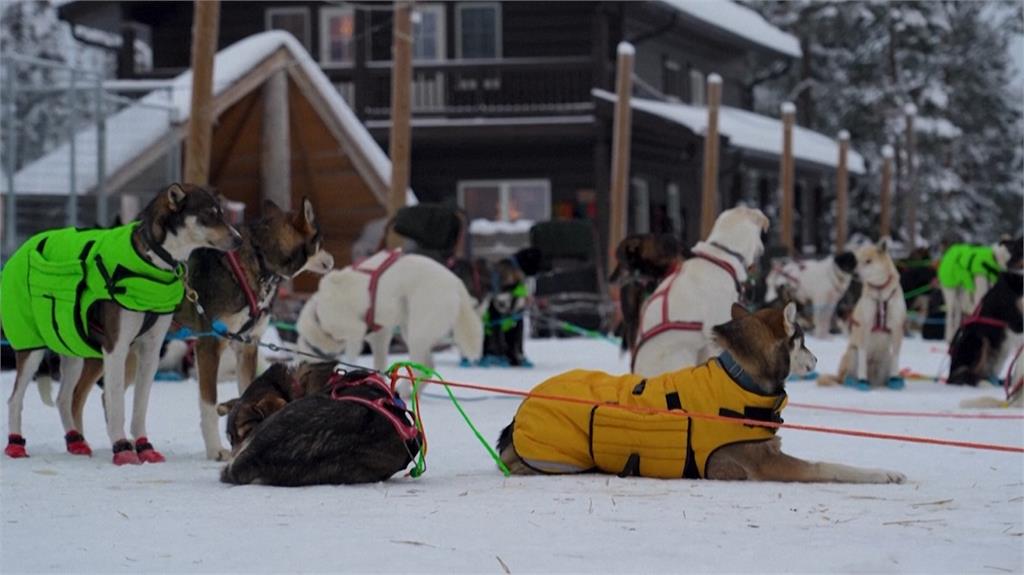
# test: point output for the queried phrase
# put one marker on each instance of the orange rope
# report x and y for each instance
(905, 413)
(734, 420)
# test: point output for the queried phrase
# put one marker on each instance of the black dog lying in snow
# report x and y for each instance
(313, 425)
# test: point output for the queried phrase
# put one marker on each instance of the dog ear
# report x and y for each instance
(226, 407)
(305, 220)
(789, 318)
(738, 311)
(175, 197)
(883, 244)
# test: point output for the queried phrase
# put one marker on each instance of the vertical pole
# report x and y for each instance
(399, 139)
(786, 176)
(206, 15)
(842, 188)
(910, 197)
(71, 213)
(11, 126)
(885, 217)
(101, 157)
(621, 135)
(709, 200)
(275, 147)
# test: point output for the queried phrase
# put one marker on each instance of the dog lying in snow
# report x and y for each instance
(814, 284)
(388, 290)
(314, 425)
(746, 381)
(676, 322)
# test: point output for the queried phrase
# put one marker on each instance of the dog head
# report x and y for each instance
(268, 393)
(874, 264)
(1010, 253)
(290, 242)
(740, 229)
(845, 261)
(768, 344)
(506, 291)
(185, 217)
(650, 255)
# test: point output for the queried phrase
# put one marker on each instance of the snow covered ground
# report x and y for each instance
(960, 512)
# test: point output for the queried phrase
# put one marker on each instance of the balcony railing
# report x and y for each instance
(456, 88)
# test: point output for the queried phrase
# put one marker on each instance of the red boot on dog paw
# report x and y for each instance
(146, 452)
(123, 454)
(15, 446)
(77, 445)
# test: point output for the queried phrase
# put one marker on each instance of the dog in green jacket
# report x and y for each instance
(99, 296)
(966, 272)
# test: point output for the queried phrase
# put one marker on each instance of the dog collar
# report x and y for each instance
(156, 248)
(737, 373)
(882, 286)
(731, 252)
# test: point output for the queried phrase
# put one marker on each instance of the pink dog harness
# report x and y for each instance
(382, 405)
(881, 307)
(375, 273)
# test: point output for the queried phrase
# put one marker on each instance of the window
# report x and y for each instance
(506, 201)
(641, 195)
(671, 79)
(697, 88)
(428, 32)
(337, 31)
(292, 19)
(478, 30)
(675, 208)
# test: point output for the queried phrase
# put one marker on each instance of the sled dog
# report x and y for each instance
(676, 322)
(679, 439)
(814, 284)
(110, 295)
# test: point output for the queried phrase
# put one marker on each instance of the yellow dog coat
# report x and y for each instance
(554, 436)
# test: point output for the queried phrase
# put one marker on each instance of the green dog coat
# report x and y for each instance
(963, 262)
(52, 281)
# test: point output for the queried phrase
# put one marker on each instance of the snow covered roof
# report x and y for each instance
(162, 114)
(749, 131)
(739, 21)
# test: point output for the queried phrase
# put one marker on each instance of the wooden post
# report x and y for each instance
(786, 177)
(842, 185)
(401, 83)
(709, 198)
(206, 15)
(910, 195)
(275, 146)
(885, 217)
(621, 134)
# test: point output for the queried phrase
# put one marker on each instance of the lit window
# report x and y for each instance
(337, 31)
(506, 201)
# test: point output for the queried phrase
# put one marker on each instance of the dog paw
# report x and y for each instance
(858, 384)
(219, 454)
(76, 444)
(146, 452)
(885, 476)
(15, 446)
(896, 382)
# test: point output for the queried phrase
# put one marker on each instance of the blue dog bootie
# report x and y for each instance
(896, 382)
(810, 376)
(464, 362)
(859, 384)
(995, 381)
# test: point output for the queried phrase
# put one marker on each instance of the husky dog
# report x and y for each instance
(642, 262)
(130, 275)
(312, 425)
(368, 300)
(986, 338)
(817, 284)
(746, 381)
(966, 272)
(872, 358)
(238, 289)
(676, 322)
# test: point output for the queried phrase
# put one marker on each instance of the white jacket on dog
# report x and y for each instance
(415, 293)
(700, 292)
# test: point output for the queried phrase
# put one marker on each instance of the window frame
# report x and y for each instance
(503, 186)
(326, 12)
(497, 27)
(270, 12)
(640, 192)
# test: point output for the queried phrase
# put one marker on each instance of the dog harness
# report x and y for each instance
(963, 262)
(553, 436)
(54, 279)
(256, 310)
(660, 298)
(375, 266)
(881, 306)
(1013, 388)
(385, 406)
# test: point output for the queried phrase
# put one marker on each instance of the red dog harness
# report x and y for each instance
(665, 324)
(881, 307)
(1013, 387)
(375, 273)
(382, 405)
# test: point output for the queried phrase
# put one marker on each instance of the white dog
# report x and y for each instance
(676, 322)
(818, 284)
(872, 358)
(387, 290)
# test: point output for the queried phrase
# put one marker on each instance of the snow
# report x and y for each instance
(961, 510)
(141, 125)
(741, 21)
(626, 49)
(748, 130)
(485, 227)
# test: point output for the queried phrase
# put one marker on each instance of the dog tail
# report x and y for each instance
(45, 386)
(469, 330)
(827, 380)
(505, 439)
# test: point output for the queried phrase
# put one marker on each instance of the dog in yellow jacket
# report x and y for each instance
(622, 426)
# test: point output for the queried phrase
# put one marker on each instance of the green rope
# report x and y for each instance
(571, 328)
(284, 325)
(430, 372)
(918, 291)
